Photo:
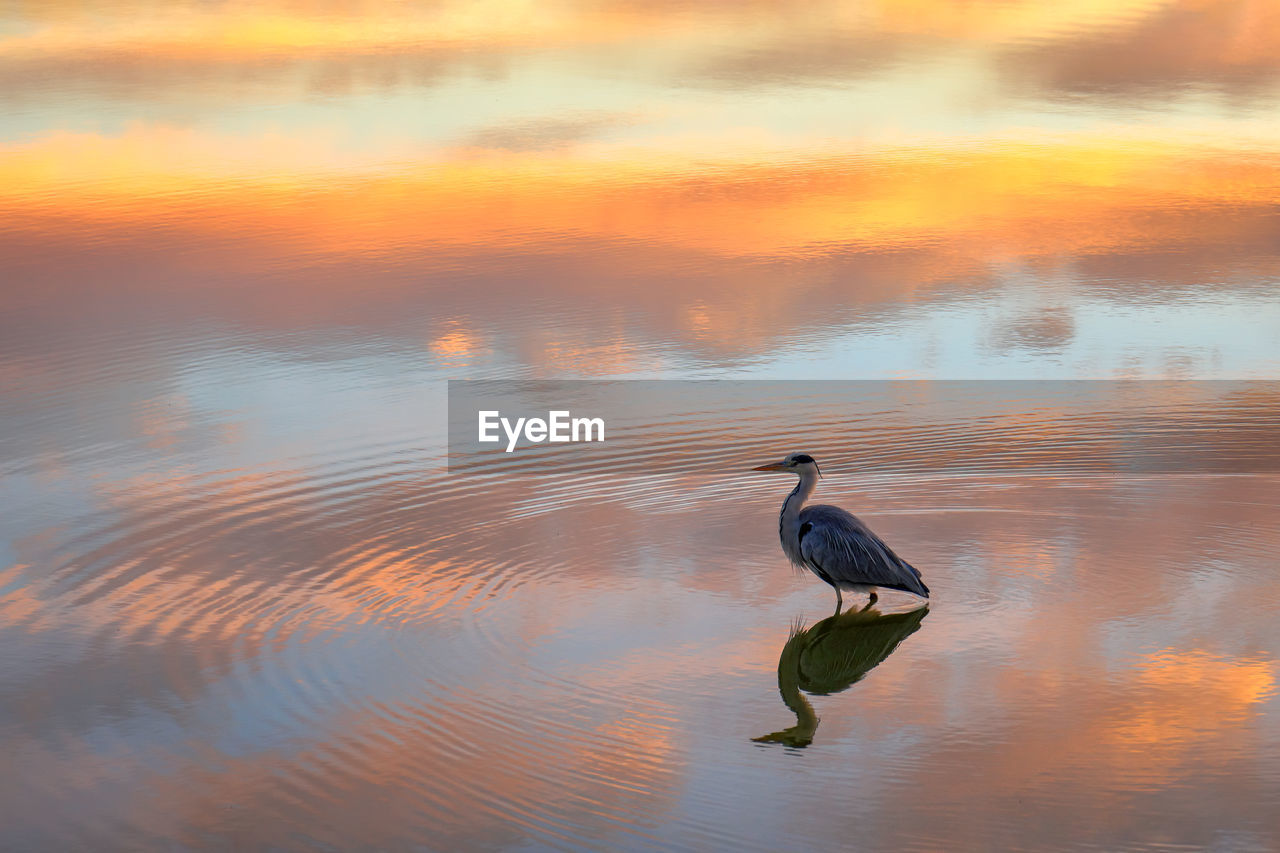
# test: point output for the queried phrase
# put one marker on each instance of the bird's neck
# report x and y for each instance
(801, 734)
(789, 518)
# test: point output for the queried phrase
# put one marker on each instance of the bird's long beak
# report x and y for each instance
(772, 466)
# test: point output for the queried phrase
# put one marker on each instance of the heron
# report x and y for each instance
(834, 544)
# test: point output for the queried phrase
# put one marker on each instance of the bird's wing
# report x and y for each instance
(842, 549)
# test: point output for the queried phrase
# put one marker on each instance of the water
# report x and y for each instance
(245, 600)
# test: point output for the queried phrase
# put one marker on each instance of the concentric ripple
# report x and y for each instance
(349, 641)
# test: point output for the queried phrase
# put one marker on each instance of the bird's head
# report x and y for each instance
(795, 463)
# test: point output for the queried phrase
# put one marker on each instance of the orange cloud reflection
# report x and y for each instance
(998, 202)
(285, 27)
(236, 31)
(1192, 694)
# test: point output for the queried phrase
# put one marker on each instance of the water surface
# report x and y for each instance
(245, 601)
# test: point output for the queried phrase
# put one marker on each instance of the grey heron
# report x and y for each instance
(835, 545)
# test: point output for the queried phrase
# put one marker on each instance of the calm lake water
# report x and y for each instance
(248, 599)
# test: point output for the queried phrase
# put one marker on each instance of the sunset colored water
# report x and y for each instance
(254, 593)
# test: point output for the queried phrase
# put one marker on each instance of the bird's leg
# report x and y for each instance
(839, 601)
(872, 599)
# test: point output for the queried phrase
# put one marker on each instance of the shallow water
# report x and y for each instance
(249, 599)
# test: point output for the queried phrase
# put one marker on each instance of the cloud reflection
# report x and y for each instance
(624, 260)
(1231, 46)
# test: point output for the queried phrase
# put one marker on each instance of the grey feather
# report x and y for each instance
(844, 552)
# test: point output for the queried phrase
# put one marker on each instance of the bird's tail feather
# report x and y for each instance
(917, 588)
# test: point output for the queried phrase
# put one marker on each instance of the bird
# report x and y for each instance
(834, 544)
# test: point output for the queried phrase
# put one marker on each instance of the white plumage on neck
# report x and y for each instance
(789, 518)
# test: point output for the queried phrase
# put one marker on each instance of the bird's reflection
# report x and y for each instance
(830, 656)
